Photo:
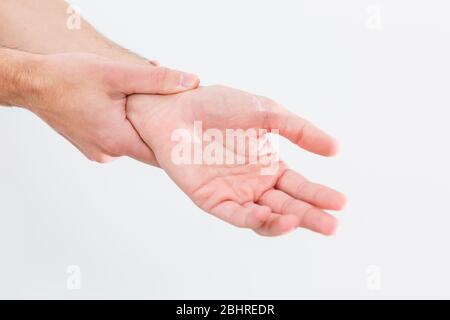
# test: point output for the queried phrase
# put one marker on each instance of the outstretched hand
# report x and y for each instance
(238, 192)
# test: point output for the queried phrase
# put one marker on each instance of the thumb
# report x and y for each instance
(155, 80)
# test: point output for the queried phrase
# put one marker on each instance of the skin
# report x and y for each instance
(83, 97)
(271, 205)
(84, 86)
(40, 26)
(77, 82)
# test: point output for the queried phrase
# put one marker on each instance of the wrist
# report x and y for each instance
(20, 76)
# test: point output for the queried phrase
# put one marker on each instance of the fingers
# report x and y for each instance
(308, 216)
(133, 146)
(298, 130)
(250, 216)
(256, 217)
(317, 195)
(277, 225)
(125, 141)
(304, 134)
(153, 80)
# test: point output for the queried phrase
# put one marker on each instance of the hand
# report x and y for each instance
(83, 97)
(238, 193)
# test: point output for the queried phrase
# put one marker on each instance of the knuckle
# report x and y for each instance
(101, 158)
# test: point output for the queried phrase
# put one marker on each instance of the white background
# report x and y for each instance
(373, 73)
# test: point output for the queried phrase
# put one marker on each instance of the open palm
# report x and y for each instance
(265, 196)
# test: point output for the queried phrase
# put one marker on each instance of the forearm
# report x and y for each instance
(19, 80)
(40, 26)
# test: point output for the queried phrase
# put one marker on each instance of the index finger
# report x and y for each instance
(298, 130)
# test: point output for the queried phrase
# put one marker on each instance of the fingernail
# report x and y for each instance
(188, 80)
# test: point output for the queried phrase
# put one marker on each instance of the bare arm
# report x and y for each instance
(16, 77)
(41, 26)
(81, 95)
